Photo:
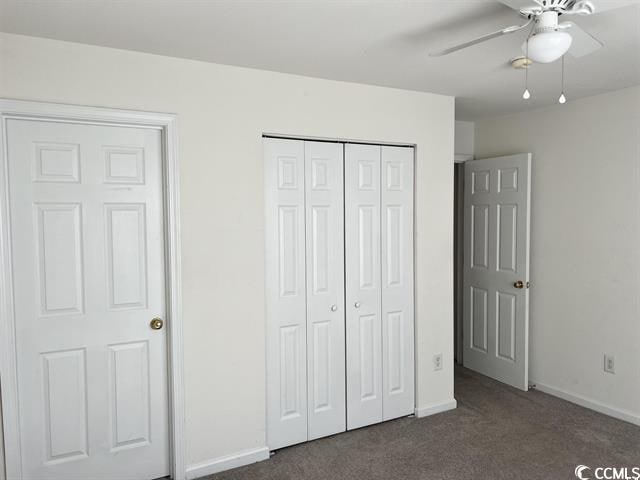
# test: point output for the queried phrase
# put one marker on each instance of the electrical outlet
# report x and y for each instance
(609, 364)
(437, 362)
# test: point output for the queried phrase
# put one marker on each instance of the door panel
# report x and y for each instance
(496, 252)
(58, 230)
(368, 345)
(479, 318)
(480, 235)
(65, 405)
(506, 342)
(325, 288)
(285, 292)
(125, 240)
(507, 236)
(363, 289)
(88, 266)
(397, 282)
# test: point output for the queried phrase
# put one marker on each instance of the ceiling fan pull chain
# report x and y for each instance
(527, 94)
(562, 98)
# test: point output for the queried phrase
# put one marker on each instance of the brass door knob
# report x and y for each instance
(156, 324)
(521, 284)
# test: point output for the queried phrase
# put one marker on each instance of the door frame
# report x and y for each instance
(458, 254)
(167, 125)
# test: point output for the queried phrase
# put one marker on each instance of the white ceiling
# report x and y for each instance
(381, 42)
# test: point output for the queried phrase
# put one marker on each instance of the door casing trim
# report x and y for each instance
(54, 112)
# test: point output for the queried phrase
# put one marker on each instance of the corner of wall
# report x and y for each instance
(464, 140)
(435, 408)
(216, 465)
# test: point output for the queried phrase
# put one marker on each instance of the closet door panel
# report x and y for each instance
(363, 289)
(397, 282)
(325, 288)
(285, 292)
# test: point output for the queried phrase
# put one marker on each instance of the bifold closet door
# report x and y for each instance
(379, 283)
(285, 292)
(305, 290)
(325, 289)
(397, 282)
(339, 273)
(363, 292)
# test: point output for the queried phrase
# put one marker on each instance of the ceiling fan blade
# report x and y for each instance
(604, 5)
(589, 7)
(484, 38)
(522, 4)
(583, 42)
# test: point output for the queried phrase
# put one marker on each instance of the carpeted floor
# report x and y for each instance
(496, 432)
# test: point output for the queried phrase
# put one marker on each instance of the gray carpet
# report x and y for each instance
(496, 432)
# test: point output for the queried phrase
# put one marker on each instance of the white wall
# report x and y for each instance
(464, 139)
(222, 113)
(585, 243)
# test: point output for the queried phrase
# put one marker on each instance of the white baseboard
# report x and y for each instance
(435, 408)
(227, 462)
(587, 403)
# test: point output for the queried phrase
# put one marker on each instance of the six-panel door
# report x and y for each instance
(88, 269)
(496, 258)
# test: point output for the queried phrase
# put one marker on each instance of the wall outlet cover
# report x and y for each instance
(609, 364)
(437, 361)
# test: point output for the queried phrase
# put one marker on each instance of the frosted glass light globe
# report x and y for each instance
(547, 47)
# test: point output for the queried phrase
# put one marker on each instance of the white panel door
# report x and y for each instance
(88, 266)
(285, 292)
(363, 291)
(397, 282)
(496, 268)
(325, 288)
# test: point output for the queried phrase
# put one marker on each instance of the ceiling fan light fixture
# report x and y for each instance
(547, 47)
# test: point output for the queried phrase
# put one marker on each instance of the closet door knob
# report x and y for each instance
(357, 304)
(334, 308)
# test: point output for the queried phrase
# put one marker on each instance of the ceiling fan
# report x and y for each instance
(548, 39)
